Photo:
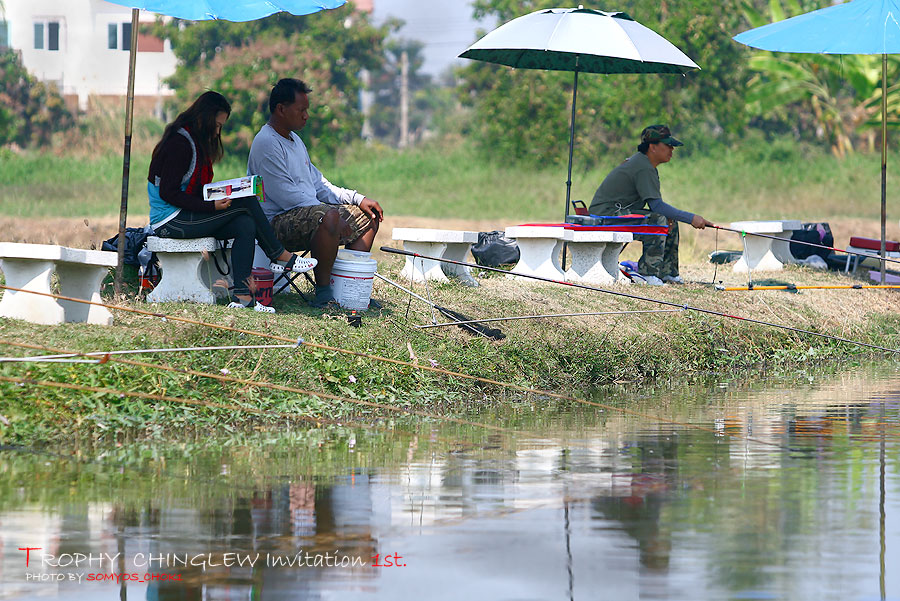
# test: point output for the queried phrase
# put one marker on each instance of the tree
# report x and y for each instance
(30, 110)
(704, 106)
(386, 85)
(244, 60)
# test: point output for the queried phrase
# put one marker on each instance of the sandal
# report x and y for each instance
(295, 264)
(251, 304)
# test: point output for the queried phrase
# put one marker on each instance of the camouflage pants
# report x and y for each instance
(660, 253)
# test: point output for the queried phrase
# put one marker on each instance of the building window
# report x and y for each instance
(53, 35)
(126, 37)
(46, 35)
(4, 35)
(112, 36)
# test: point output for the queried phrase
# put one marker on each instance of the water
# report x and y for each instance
(782, 489)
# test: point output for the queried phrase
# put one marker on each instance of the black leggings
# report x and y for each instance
(244, 221)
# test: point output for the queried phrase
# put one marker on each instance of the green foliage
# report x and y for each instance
(424, 97)
(30, 111)
(244, 60)
(830, 97)
(524, 114)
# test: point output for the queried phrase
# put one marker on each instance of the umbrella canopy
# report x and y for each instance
(579, 40)
(857, 27)
(228, 10)
(194, 10)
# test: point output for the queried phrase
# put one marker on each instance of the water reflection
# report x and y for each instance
(782, 492)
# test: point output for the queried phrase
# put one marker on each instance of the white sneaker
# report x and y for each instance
(673, 279)
(295, 264)
(258, 307)
(652, 280)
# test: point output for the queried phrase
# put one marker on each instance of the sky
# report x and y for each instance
(445, 26)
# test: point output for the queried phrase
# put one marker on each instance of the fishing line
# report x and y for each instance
(64, 356)
(508, 385)
(458, 323)
(653, 300)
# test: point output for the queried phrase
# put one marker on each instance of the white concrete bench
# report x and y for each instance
(539, 249)
(79, 272)
(595, 256)
(766, 254)
(185, 275)
(446, 244)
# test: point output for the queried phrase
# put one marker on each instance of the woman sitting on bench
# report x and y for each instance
(181, 165)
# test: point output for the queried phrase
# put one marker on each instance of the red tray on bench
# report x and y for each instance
(890, 246)
(650, 230)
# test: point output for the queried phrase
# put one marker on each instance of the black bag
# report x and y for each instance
(135, 238)
(494, 249)
(816, 233)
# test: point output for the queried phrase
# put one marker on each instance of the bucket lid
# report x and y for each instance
(346, 254)
(261, 273)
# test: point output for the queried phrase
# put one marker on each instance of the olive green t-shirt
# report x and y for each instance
(627, 188)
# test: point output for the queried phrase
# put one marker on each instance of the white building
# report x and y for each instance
(82, 46)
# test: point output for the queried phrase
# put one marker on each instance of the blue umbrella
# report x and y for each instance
(194, 10)
(857, 27)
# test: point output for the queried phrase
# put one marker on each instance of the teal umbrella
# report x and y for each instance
(858, 27)
(580, 40)
(194, 10)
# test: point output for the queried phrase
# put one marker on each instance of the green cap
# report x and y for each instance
(659, 133)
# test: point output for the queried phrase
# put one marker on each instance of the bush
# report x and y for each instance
(30, 110)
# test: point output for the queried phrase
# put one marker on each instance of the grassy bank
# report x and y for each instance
(567, 355)
(441, 183)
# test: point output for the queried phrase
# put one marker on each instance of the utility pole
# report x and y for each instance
(404, 100)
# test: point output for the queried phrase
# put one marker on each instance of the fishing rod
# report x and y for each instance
(840, 250)
(458, 323)
(464, 322)
(795, 287)
(686, 307)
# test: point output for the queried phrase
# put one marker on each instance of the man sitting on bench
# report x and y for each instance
(306, 210)
(635, 184)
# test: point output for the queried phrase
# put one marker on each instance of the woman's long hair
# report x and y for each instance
(200, 118)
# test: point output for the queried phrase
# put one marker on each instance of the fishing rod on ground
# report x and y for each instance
(464, 322)
(398, 251)
(813, 244)
(795, 287)
(459, 323)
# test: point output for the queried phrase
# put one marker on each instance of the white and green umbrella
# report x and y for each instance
(580, 40)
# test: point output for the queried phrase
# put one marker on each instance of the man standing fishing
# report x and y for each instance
(634, 185)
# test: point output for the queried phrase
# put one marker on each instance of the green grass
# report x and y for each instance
(455, 181)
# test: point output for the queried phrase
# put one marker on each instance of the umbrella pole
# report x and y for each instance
(883, 160)
(126, 155)
(571, 151)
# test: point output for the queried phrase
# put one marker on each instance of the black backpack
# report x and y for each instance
(815, 233)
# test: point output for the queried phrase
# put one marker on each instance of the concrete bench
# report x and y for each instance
(766, 254)
(446, 244)
(79, 272)
(595, 256)
(539, 248)
(185, 275)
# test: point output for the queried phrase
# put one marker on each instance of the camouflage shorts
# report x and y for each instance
(296, 228)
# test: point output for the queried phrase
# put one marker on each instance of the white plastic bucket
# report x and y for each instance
(351, 282)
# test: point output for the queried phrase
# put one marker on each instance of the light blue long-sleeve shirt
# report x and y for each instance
(289, 177)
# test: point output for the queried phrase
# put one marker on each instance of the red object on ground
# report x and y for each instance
(890, 246)
(264, 279)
